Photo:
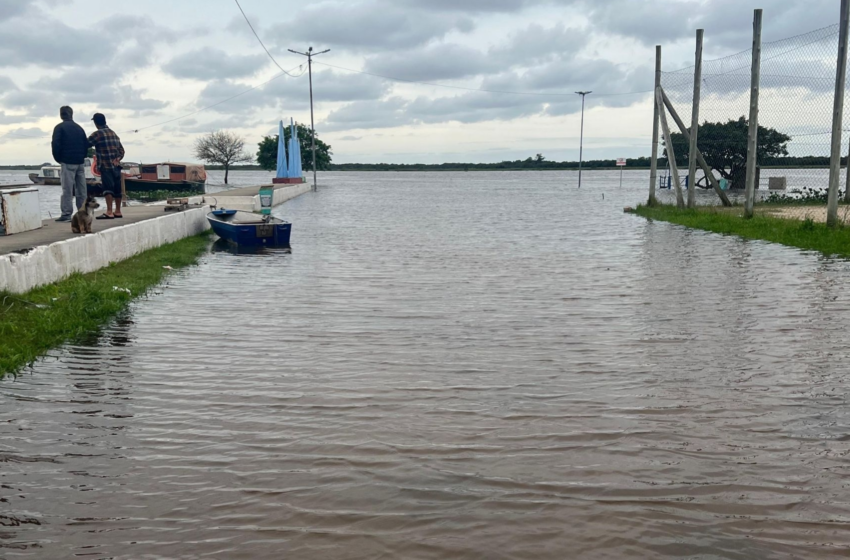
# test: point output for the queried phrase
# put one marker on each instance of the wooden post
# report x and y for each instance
(671, 154)
(700, 159)
(752, 135)
(837, 118)
(847, 180)
(123, 192)
(653, 166)
(692, 153)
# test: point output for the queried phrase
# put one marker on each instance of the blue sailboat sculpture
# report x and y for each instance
(288, 168)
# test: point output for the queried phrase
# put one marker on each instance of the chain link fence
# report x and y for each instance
(795, 114)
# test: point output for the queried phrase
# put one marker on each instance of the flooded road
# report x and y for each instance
(469, 365)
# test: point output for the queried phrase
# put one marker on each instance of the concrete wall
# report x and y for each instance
(51, 263)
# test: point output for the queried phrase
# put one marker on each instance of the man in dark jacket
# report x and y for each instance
(70, 146)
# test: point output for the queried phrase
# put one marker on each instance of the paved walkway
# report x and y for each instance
(816, 213)
(52, 231)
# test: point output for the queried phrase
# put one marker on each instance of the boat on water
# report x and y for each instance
(178, 178)
(51, 175)
(249, 229)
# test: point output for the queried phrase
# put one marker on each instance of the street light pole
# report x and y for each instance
(581, 140)
(310, 54)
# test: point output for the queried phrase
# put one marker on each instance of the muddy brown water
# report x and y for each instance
(470, 365)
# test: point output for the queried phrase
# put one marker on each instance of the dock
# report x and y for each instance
(53, 252)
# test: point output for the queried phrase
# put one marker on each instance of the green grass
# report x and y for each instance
(33, 323)
(804, 234)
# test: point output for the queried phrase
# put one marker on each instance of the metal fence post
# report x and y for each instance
(752, 136)
(837, 118)
(692, 154)
(653, 166)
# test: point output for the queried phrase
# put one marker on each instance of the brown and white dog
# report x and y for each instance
(81, 222)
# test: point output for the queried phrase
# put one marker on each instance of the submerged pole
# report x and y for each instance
(837, 118)
(752, 135)
(700, 159)
(671, 154)
(653, 165)
(581, 138)
(692, 153)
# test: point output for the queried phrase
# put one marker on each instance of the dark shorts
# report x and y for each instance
(111, 179)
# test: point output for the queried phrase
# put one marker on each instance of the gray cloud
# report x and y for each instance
(12, 8)
(437, 62)
(291, 94)
(367, 25)
(532, 45)
(197, 64)
(23, 133)
(81, 87)
(468, 5)
(13, 119)
(7, 85)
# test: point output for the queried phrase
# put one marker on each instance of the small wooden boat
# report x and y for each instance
(249, 229)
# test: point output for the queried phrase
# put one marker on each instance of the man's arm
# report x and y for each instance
(56, 143)
(120, 151)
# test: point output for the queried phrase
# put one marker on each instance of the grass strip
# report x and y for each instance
(43, 318)
(803, 234)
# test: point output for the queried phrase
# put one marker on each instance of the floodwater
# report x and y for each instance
(450, 365)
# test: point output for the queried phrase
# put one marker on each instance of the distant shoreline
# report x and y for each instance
(360, 168)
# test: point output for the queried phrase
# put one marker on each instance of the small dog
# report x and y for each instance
(81, 222)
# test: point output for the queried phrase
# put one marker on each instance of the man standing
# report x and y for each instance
(109, 152)
(69, 149)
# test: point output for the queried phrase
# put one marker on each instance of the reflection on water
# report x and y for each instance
(462, 365)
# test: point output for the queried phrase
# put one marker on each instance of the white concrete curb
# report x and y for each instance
(52, 263)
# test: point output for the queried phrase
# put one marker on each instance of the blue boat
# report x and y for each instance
(249, 229)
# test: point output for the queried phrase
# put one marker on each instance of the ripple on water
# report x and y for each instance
(485, 365)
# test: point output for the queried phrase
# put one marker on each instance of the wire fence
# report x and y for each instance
(795, 113)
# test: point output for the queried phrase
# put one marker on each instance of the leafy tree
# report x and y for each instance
(539, 158)
(724, 146)
(222, 147)
(267, 154)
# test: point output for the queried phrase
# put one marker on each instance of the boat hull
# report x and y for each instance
(52, 181)
(142, 186)
(275, 233)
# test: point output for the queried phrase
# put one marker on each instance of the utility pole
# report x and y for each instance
(581, 140)
(692, 152)
(837, 116)
(653, 166)
(310, 54)
(752, 135)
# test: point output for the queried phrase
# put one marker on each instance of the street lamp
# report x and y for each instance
(581, 140)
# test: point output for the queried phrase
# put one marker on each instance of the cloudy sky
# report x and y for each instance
(147, 62)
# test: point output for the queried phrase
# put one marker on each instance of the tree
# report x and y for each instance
(222, 147)
(539, 158)
(724, 146)
(267, 154)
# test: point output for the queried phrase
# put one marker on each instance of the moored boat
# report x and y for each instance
(52, 175)
(249, 229)
(178, 178)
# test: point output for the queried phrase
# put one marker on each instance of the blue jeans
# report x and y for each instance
(73, 177)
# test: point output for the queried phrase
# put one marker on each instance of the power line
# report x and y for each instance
(248, 21)
(435, 84)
